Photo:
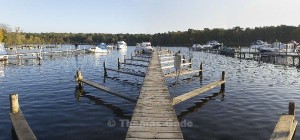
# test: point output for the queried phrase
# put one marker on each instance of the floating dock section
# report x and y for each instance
(154, 116)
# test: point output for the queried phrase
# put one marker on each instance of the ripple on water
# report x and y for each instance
(255, 96)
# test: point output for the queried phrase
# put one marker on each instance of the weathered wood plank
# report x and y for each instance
(285, 128)
(134, 64)
(21, 127)
(106, 89)
(172, 66)
(182, 72)
(126, 72)
(138, 60)
(196, 92)
(154, 110)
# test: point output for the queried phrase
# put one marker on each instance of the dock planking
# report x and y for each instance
(106, 89)
(126, 72)
(182, 72)
(286, 125)
(196, 92)
(154, 105)
(172, 66)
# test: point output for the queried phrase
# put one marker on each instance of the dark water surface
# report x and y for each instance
(255, 97)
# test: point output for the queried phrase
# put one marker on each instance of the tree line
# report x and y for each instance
(233, 37)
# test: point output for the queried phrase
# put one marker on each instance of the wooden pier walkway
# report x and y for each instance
(154, 116)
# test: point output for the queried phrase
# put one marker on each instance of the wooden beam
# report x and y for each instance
(196, 92)
(142, 56)
(172, 66)
(134, 64)
(106, 89)
(19, 123)
(286, 125)
(126, 72)
(182, 72)
(137, 60)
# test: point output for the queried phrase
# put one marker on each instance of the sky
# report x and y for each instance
(145, 16)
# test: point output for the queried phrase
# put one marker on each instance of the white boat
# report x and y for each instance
(121, 45)
(97, 50)
(278, 47)
(144, 47)
(208, 46)
(215, 44)
(110, 46)
(259, 44)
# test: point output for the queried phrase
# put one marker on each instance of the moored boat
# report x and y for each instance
(121, 45)
(208, 46)
(258, 44)
(97, 50)
(144, 47)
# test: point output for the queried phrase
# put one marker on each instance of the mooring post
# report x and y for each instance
(104, 67)
(223, 78)
(240, 52)
(14, 103)
(292, 108)
(201, 71)
(293, 58)
(190, 60)
(78, 79)
(299, 61)
(118, 63)
(39, 59)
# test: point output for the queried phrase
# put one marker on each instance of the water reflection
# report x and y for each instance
(2, 70)
(198, 105)
(80, 93)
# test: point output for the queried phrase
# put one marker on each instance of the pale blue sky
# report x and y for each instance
(145, 16)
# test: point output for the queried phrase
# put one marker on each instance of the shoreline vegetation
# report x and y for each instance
(233, 37)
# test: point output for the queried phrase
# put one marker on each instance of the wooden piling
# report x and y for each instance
(14, 103)
(292, 108)
(299, 61)
(104, 67)
(240, 52)
(190, 60)
(78, 79)
(118, 63)
(201, 71)
(223, 78)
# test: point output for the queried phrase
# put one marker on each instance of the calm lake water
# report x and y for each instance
(256, 95)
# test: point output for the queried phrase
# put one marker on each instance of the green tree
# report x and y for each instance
(1, 35)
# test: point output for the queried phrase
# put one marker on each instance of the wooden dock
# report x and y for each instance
(80, 80)
(196, 92)
(182, 72)
(19, 123)
(154, 116)
(286, 125)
